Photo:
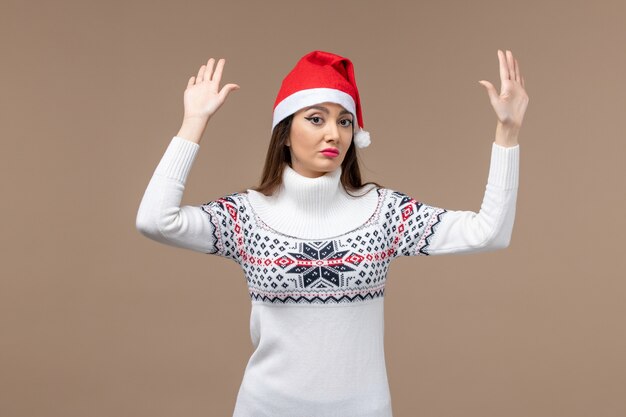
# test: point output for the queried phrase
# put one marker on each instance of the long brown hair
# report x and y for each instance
(278, 155)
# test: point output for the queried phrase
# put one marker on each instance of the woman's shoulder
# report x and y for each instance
(393, 198)
(389, 192)
(235, 199)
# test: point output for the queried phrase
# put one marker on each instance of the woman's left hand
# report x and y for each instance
(510, 105)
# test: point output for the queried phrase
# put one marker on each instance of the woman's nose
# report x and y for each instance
(332, 132)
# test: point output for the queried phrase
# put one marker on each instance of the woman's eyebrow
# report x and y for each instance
(325, 110)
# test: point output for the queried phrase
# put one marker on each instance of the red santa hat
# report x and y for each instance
(319, 77)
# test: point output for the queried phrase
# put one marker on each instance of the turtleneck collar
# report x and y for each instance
(312, 208)
(313, 194)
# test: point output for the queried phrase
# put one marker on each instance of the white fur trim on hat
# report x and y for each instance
(308, 97)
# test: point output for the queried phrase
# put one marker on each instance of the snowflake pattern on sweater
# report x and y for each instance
(347, 268)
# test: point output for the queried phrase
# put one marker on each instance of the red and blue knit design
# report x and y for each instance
(347, 268)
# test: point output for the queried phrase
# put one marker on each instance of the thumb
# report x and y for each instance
(491, 90)
(228, 88)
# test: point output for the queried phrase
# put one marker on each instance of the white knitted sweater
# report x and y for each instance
(315, 261)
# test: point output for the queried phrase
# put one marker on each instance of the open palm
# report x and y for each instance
(511, 103)
(203, 97)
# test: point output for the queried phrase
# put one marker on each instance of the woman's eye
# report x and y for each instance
(314, 119)
(349, 122)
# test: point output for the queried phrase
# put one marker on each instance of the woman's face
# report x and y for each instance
(315, 129)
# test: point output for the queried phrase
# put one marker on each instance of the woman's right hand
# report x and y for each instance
(202, 98)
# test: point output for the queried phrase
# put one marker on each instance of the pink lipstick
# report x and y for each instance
(330, 152)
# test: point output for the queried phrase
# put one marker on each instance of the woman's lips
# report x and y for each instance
(330, 154)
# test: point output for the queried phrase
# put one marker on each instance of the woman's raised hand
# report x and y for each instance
(202, 97)
(510, 105)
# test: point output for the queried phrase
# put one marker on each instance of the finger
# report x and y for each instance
(228, 88)
(190, 82)
(504, 72)
(217, 75)
(491, 90)
(517, 72)
(208, 75)
(510, 64)
(200, 74)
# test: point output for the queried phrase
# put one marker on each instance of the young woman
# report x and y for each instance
(314, 242)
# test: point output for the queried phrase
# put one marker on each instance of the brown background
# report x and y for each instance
(96, 320)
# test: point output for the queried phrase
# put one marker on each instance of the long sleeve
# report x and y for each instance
(423, 229)
(160, 216)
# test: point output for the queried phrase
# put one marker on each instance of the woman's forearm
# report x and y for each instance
(506, 135)
(160, 216)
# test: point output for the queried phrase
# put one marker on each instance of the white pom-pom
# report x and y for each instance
(362, 139)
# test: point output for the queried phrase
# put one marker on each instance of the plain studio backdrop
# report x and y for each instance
(97, 320)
